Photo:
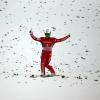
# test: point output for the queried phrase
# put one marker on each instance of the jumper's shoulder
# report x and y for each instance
(53, 38)
(42, 38)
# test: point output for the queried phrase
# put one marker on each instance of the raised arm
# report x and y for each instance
(62, 39)
(33, 37)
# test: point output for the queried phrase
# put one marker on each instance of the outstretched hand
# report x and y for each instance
(68, 35)
(31, 32)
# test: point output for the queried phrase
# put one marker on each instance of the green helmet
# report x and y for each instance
(47, 33)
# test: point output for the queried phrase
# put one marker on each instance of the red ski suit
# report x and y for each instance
(47, 44)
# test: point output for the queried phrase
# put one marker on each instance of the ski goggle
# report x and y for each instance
(47, 34)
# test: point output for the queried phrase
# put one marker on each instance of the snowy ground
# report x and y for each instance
(77, 58)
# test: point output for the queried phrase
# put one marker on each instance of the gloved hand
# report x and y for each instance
(68, 35)
(30, 31)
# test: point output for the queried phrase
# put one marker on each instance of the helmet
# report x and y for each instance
(47, 33)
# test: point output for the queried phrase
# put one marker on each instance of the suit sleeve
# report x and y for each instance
(62, 39)
(35, 38)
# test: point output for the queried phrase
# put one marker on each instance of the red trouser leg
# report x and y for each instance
(43, 63)
(50, 69)
(45, 60)
(48, 59)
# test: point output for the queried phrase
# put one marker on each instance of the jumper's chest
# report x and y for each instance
(47, 43)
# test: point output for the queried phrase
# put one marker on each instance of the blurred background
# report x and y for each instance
(77, 58)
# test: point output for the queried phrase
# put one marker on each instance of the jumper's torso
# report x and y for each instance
(47, 43)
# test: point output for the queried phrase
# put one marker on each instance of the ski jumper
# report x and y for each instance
(47, 45)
